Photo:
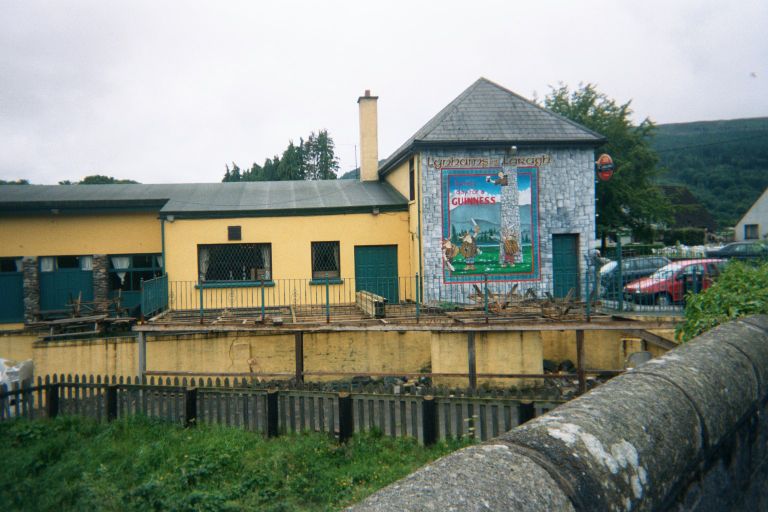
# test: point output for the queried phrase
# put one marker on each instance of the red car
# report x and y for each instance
(670, 283)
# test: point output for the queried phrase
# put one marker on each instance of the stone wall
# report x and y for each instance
(31, 289)
(100, 278)
(566, 192)
(686, 431)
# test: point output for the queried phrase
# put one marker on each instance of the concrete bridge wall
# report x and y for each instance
(686, 431)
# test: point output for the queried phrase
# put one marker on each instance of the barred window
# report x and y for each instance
(325, 260)
(127, 271)
(235, 262)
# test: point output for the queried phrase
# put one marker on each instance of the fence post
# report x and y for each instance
(52, 400)
(272, 414)
(143, 300)
(471, 360)
(418, 297)
(142, 342)
(589, 294)
(263, 306)
(580, 361)
(200, 285)
(485, 296)
(429, 420)
(327, 300)
(299, 356)
(111, 403)
(190, 407)
(346, 417)
(619, 277)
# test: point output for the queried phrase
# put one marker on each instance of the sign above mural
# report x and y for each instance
(484, 162)
(490, 224)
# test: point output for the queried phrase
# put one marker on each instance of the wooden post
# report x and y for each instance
(299, 356)
(52, 400)
(142, 341)
(346, 417)
(471, 360)
(111, 403)
(272, 414)
(190, 407)
(580, 361)
(429, 420)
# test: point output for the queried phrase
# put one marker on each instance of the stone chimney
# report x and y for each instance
(369, 137)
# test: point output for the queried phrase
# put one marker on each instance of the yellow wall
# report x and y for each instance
(291, 239)
(399, 178)
(111, 356)
(16, 346)
(511, 352)
(603, 350)
(72, 235)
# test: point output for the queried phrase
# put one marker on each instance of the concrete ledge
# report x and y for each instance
(686, 431)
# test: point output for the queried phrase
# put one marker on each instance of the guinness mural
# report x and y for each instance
(490, 224)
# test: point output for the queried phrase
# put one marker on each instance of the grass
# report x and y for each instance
(141, 464)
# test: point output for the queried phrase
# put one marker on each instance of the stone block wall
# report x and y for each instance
(31, 289)
(566, 205)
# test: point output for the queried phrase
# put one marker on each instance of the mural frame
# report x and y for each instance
(531, 176)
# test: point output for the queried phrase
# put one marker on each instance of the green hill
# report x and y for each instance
(723, 163)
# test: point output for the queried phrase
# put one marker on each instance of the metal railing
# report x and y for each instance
(154, 295)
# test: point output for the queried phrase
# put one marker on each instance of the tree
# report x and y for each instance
(630, 200)
(99, 179)
(16, 182)
(313, 159)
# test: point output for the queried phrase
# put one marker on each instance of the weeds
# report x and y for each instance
(142, 464)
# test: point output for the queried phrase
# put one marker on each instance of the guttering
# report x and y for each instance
(289, 212)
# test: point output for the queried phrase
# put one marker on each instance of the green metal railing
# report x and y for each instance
(154, 295)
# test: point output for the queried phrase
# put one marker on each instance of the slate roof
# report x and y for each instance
(486, 114)
(265, 198)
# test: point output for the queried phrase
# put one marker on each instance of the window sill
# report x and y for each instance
(331, 280)
(237, 284)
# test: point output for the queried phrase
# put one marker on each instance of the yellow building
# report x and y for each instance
(494, 189)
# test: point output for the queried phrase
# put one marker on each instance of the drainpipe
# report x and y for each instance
(162, 241)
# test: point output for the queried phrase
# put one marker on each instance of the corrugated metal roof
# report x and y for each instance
(200, 199)
(486, 113)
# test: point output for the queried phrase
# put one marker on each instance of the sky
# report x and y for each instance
(171, 91)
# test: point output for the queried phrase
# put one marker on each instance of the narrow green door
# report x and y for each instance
(376, 270)
(11, 297)
(565, 265)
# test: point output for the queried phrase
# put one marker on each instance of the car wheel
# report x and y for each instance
(663, 299)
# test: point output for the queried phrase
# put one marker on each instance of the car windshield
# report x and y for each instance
(666, 272)
(608, 267)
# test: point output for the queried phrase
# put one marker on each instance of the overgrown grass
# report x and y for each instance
(741, 290)
(141, 464)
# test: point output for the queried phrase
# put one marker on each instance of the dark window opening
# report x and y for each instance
(411, 181)
(750, 232)
(235, 262)
(68, 262)
(325, 260)
(126, 272)
(10, 265)
(234, 233)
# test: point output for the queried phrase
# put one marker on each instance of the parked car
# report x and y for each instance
(741, 250)
(670, 283)
(631, 270)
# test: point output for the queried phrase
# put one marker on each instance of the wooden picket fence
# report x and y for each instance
(187, 402)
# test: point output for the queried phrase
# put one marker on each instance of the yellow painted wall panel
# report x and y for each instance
(65, 234)
(16, 346)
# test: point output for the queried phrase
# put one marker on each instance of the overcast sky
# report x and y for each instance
(161, 91)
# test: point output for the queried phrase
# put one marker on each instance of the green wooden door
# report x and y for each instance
(376, 270)
(11, 297)
(60, 287)
(565, 265)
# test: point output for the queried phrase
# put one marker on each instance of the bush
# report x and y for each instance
(741, 290)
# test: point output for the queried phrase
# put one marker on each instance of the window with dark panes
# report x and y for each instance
(750, 232)
(127, 271)
(10, 265)
(234, 262)
(325, 260)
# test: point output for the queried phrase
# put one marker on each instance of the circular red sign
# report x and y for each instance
(604, 167)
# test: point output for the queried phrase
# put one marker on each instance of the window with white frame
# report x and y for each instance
(56, 263)
(325, 260)
(751, 232)
(234, 262)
